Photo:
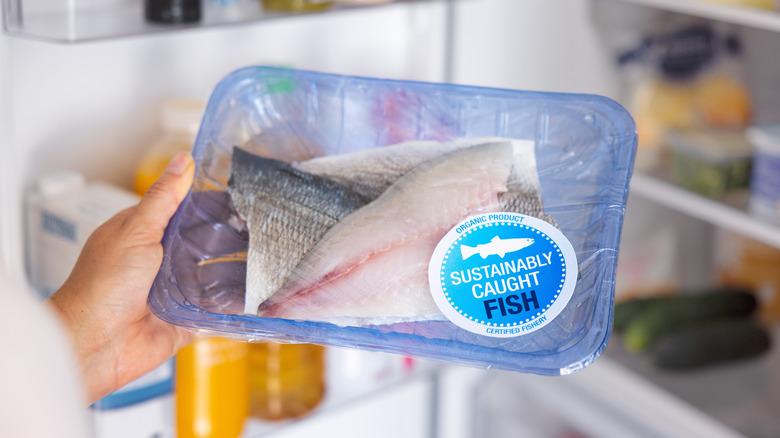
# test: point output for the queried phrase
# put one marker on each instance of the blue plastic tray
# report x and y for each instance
(585, 147)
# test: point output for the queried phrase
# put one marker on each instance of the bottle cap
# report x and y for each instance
(60, 182)
(182, 116)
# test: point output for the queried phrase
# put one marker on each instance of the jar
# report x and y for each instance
(285, 380)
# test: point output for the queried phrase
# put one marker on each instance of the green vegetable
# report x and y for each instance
(670, 314)
(627, 311)
(711, 343)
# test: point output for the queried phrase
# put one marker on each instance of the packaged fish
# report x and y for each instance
(469, 225)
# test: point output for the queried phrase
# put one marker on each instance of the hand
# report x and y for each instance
(103, 303)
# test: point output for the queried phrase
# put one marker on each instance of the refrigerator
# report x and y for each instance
(82, 83)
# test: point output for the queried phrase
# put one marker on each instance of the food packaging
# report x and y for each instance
(711, 162)
(62, 211)
(583, 147)
(684, 74)
(765, 183)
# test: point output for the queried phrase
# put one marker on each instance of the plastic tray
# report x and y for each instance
(584, 147)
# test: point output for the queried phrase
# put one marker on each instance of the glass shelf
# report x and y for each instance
(742, 395)
(712, 10)
(90, 20)
(733, 217)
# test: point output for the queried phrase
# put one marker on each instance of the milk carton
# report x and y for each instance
(62, 211)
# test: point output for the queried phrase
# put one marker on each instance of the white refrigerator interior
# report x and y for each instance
(93, 107)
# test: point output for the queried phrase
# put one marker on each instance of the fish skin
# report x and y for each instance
(524, 191)
(399, 230)
(287, 211)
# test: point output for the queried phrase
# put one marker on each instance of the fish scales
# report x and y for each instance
(524, 191)
(287, 211)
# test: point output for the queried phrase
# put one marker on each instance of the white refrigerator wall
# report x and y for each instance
(532, 45)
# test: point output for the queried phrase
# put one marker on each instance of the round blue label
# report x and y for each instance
(502, 274)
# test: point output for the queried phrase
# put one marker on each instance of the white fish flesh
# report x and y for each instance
(371, 267)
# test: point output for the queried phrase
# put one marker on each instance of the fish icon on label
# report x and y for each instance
(496, 246)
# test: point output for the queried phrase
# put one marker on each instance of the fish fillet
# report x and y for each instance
(371, 267)
(370, 172)
(287, 212)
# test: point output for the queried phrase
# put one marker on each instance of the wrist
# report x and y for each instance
(88, 344)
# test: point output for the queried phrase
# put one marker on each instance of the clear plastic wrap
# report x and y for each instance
(584, 148)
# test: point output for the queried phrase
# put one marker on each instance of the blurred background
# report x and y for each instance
(96, 96)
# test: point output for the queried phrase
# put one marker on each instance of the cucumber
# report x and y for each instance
(669, 315)
(627, 311)
(711, 343)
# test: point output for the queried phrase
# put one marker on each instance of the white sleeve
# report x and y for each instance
(41, 393)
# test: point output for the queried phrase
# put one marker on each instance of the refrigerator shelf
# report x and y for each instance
(607, 399)
(742, 396)
(731, 217)
(718, 11)
(91, 20)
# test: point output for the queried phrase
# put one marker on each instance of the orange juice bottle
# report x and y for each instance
(212, 395)
(180, 122)
(285, 380)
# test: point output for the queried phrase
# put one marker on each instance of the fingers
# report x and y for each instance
(158, 205)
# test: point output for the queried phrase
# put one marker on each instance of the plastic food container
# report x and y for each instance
(765, 184)
(711, 162)
(584, 149)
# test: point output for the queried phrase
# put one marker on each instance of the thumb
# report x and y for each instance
(164, 196)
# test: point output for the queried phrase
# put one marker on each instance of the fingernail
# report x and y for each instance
(178, 164)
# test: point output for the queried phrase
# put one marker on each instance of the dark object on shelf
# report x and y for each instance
(627, 311)
(172, 11)
(668, 315)
(711, 343)
(685, 53)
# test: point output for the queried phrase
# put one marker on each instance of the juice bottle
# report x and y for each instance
(212, 395)
(285, 380)
(180, 122)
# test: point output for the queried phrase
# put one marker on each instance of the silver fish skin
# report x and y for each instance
(287, 212)
(371, 267)
(524, 191)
